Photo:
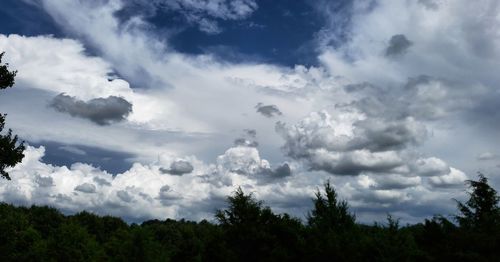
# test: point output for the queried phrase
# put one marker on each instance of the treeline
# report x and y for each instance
(249, 231)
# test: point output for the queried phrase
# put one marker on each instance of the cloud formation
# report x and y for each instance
(398, 45)
(102, 111)
(179, 167)
(390, 133)
(145, 192)
(268, 110)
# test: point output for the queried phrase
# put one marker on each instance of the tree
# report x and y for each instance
(329, 212)
(481, 211)
(254, 233)
(332, 230)
(11, 151)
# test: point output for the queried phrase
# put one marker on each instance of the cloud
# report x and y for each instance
(179, 167)
(398, 45)
(454, 178)
(349, 143)
(102, 111)
(268, 110)
(101, 181)
(144, 192)
(248, 139)
(486, 156)
(74, 150)
(44, 181)
(86, 188)
(430, 4)
(393, 125)
(124, 196)
(205, 12)
(245, 142)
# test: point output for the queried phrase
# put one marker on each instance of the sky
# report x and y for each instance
(154, 109)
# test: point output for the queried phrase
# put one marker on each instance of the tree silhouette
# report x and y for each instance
(11, 151)
(481, 211)
(329, 212)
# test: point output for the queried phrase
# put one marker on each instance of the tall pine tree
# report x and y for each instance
(11, 150)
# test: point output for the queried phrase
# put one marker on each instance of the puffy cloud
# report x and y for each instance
(268, 110)
(44, 181)
(102, 111)
(486, 156)
(430, 4)
(454, 178)
(144, 192)
(86, 188)
(380, 115)
(398, 45)
(179, 167)
(248, 139)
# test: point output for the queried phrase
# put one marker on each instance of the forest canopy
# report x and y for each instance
(247, 230)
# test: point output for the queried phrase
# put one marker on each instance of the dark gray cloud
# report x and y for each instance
(390, 182)
(179, 167)
(429, 4)
(250, 132)
(352, 164)
(282, 171)
(101, 181)
(486, 156)
(268, 174)
(124, 196)
(43, 181)
(268, 110)
(102, 111)
(86, 188)
(248, 138)
(245, 142)
(167, 195)
(398, 45)
(376, 135)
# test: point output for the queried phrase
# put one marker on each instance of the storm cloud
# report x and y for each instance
(102, 111)
(398, 45)
(179, 167)
(268, 110)
(86, 188)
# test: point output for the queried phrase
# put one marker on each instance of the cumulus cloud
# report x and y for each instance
(453, 179)
(486, 156)
(102, 111)
(349, 143)
(380, 115)
(144, 192)
(248, 139)
(179, 167)
(86, 188)
(398, 45)
(430, 4)
(268, 110)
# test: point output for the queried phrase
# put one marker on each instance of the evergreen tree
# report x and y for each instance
(11, 151)
(481, 211)
(329, 212)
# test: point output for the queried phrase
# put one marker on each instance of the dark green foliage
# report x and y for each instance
(249, 231)
(252, 232)
(6, 76)
(11, 151)
(329, 213)
(481, 211)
